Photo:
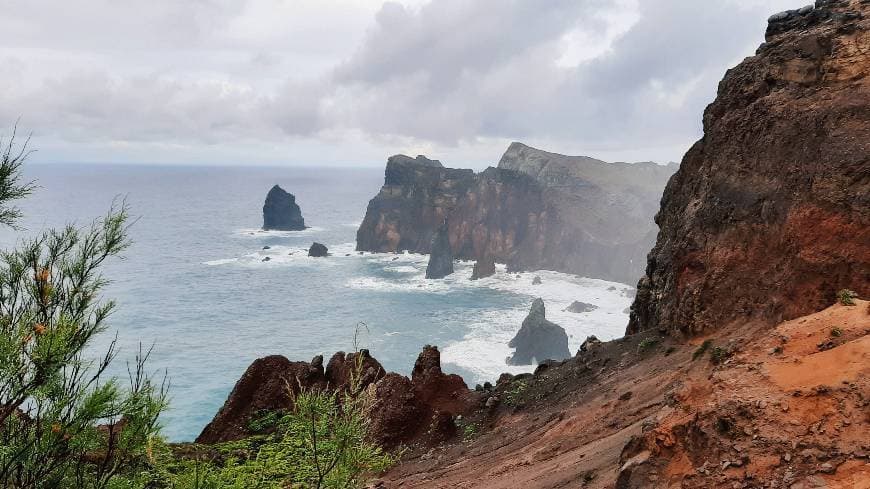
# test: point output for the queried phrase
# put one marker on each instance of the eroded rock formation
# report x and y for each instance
(538, 339)
(419, 409)
(280, 211)
(537, 210)
(769, 213)
(484, 267)
(440, 255)
(318, 250)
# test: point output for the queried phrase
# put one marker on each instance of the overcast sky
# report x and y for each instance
(349, 82)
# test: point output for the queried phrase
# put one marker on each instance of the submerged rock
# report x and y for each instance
(484, 267)
(536, 280)
(538, 339)
(280, 211)
(318, 250)
(579, 307)
(441, 257)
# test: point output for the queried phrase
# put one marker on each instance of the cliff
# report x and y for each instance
(537, 210)
(769, 213)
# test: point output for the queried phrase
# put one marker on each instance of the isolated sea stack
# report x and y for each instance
(769, 214)
(280, 211)
(441, 256)
(538, 339)
(537, 210)
(318, 250)
(484, 267)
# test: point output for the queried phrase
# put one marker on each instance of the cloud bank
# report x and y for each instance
(349, 82)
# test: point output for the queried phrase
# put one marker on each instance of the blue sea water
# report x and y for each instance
(194, 283)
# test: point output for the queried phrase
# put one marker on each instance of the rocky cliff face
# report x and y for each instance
(769, 213)
(537, 210)
(280, 211)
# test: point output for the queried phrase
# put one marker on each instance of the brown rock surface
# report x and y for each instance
(769, 214)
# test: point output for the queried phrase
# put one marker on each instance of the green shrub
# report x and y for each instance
(647, 344)
(718, 355)
(836, 332)
(52, 396)
(513, 395)
(702, 349)
(847, 297)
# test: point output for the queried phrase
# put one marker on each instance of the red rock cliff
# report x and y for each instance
(769, 213)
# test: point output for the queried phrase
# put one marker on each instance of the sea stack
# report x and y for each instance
(280, 211)
(538, 339)
(441, 257)
(484, 267)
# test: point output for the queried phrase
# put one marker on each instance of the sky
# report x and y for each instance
(350, 82)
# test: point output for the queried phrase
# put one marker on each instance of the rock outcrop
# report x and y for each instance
(580, 307)
(280, 211)
(440, 255)
(483, 267)
(402, 410)
(537, 210)
(538, 339)
(318, 250)
(769, 213)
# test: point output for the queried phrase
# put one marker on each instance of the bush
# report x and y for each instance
(847, 297)
(646, 344)
(51, 396)
(702, 349)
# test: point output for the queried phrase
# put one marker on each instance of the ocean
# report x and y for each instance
(195, 286)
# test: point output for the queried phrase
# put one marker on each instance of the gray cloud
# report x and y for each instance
(447, 76)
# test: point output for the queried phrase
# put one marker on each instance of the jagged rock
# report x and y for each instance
(343, 366)
(769, 214)
(437, 390)
(318, 250)
(441, 256)
(484, 267)
(589, 343)
(536, 280)
(537, 210)
(280, 211)
(263, 387)
(538, 339)
(395, 414)
(580, 307)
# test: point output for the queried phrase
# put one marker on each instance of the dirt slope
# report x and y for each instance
(785, 407)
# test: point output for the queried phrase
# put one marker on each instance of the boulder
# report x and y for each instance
(318, 250)
(589, 343)
(437, 390)
(441, 257)
(538, 339)
(342, 367)
(280, 211)
(580, 307)
(537, 280)
(483, 267)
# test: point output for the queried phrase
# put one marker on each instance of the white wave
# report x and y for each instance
(222, 261)
(261, 233)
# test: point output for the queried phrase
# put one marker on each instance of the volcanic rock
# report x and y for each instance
(536, 280)
(537, 210)
(440, 256)
(538, 339)
(579, 307)
(437, 390)
(318, 250)
(265, 386)
(395, 414)
(280, 211)
(769, 213)
(342, 368)
(484, 267)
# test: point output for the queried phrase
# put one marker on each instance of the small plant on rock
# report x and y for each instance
(702, 349)
(847, 297)
(647, 344)
(836, 332)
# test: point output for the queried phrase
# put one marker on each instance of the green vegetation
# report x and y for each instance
(702, 349)
(847, 297)
(513, 395)
(469, 431)
(647, 344)
(836, 332)
(52, 398)
(719, 355)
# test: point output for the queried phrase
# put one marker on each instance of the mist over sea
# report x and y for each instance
(194, 283)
